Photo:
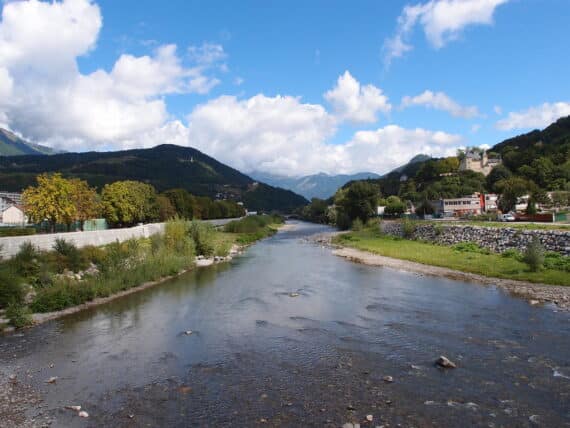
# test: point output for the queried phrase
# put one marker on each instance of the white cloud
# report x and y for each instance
(282, 135)
(535, 117)
(475, 128)
(498, 110)
(441, 101)
(356, 103)
(45, 96)
(441, 20)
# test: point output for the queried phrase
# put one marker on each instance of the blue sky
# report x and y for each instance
(290, 87)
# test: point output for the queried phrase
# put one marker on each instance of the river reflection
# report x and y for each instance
(289, 335)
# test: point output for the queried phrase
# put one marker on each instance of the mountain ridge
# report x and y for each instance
(164, 166)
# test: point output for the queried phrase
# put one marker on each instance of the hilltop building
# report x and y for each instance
(478, 161)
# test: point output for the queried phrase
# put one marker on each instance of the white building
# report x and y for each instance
(14, 215)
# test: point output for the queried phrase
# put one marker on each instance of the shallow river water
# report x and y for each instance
(258, 356)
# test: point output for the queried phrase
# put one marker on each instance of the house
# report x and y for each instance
(478, 161)
(457, 207)
(14, 215)
(490, 202)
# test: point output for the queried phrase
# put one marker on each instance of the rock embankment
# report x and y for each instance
(496, 239)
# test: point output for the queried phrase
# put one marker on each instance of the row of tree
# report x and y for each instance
(59, 200)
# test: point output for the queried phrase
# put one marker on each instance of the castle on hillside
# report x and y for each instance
(478, 161)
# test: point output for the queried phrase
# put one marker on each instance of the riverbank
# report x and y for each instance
(439, 261)
(121, 269)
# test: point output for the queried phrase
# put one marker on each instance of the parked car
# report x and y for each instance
(507, 217)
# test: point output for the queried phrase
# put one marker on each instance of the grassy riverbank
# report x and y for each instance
(466, 258)
(39, 281)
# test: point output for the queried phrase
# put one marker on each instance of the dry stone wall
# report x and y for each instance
(496, 239)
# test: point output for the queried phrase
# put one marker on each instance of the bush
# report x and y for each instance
(17, 231)
(513, 254)
(408, 228)
(203, 236)
(177, 237)
(25, 263)
(534, 255)
(70, 257)
(11, 290)
(93, 254)
(554, 260)
(357, 225)
(19, 315)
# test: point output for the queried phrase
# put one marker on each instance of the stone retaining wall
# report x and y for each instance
(496, 239)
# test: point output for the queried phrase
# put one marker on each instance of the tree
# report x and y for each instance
(498, 173)
(360, 200)
(184, 203)
(511, 189)
(52, 200)
(86, 201)
(129, 202)
(165, 209)
(394, 206)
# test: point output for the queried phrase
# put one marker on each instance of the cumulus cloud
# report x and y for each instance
(534, 117)
(440, 101)
(47, 98)
(283, 135)
(441, 20)
(356, 103)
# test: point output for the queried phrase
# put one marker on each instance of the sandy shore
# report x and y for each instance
(534, 293)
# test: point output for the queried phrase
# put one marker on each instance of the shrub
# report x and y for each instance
(71, 258)
(25, 262)
(203, 236)
(93, 254)
(17, 231)
(408, 228)
(11, 290)
(554, 260)
(18, 315)
(357, 225)
(534, 255)
(513, 254)
(177, 237)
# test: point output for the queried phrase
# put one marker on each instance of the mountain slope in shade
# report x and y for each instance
(12, 145)
(165, 167)
(319, 185)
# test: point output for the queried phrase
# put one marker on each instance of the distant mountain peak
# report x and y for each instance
(12, 145)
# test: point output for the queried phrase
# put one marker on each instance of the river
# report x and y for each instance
(290, 335)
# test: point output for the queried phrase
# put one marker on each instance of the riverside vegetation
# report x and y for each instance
(40, 281)
(534, 265)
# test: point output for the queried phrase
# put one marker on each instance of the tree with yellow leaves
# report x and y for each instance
(52, 200)
(86, 201)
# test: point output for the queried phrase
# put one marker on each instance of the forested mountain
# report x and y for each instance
(535, 162)
(312, 186)
(12, 145)
(165, 167)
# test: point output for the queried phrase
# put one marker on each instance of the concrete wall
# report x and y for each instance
(496, 239)
(11, 245)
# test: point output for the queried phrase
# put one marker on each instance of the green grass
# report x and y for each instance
(492, 265)
(514, 225)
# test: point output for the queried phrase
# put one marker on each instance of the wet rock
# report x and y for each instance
(350, 407)
(293, 294)
(74, 408)
(414, 367)
(52, 379)
(369, 418)
(535, 419)
(83, 414)
(188, 332)
(388, 379)
(12, 377)
(184, 389)
(445, 362)
(534, 302)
